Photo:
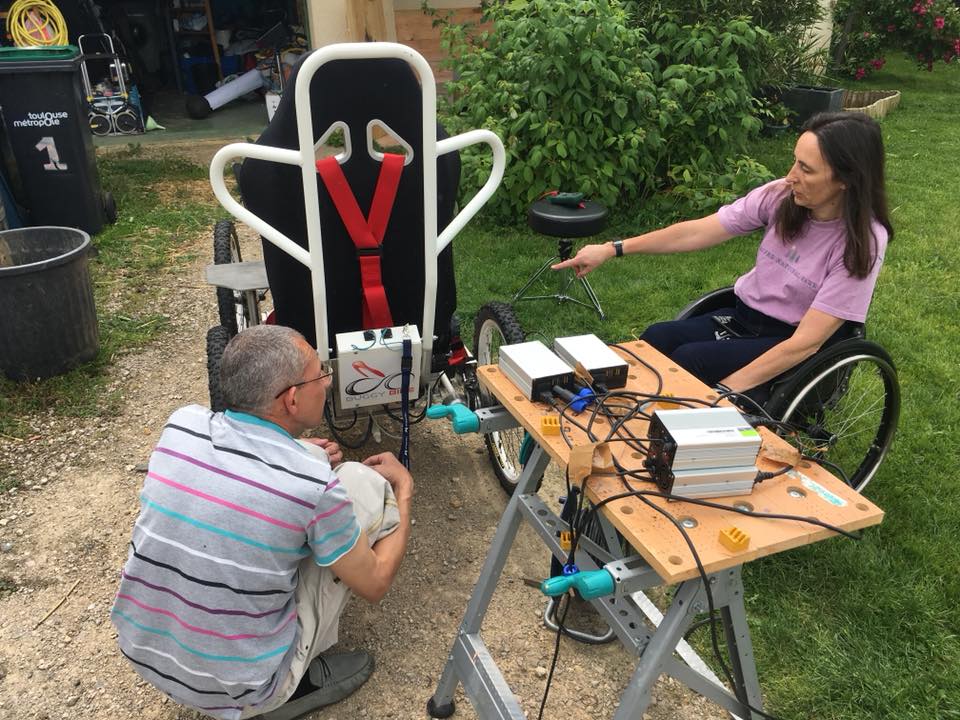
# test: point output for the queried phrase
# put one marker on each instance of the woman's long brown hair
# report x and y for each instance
(852, 145)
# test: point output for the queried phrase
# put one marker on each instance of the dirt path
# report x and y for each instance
(69, 522)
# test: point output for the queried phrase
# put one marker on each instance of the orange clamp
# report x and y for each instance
(549, 425)
(734, 539)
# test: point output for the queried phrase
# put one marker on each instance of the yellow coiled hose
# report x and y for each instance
(33, 23)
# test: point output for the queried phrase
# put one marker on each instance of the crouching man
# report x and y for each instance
(248, 543)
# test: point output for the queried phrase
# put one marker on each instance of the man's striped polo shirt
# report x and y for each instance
(230, 506)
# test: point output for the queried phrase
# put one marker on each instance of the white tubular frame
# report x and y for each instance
(305, 158)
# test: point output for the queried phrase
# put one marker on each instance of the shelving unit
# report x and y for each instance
(179, 9)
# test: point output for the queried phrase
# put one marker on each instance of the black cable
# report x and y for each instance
(643, 362)
(336, 431)
(556, 654)
(833, 466)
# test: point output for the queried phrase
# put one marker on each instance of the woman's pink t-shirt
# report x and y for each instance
(790, 278)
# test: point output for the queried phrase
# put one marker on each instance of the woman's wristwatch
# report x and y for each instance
(618, 248)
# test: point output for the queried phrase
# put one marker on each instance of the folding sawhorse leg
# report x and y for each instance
(471, 664)
(469, 661)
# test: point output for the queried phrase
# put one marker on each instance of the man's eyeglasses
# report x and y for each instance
(326, 371)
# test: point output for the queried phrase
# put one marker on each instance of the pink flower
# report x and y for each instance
(860, 74)
(866, 34)
(938, 23)
(878, 63)
(891, 27)
(956, 46)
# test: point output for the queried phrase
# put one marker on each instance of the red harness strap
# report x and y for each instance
(367, 234)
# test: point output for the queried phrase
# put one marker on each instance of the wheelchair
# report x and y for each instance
(333, 268)
(843, 403)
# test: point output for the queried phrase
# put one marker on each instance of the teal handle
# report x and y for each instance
(590, 584)
(464, 419)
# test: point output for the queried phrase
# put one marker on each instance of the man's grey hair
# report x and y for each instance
(259, 363)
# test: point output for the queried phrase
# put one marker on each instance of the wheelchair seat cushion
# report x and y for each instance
(353, 92)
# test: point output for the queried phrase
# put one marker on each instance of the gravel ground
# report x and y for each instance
(64, 532)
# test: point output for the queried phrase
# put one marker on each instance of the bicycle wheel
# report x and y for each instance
(496, 325)
(845, 409)
(236, 310)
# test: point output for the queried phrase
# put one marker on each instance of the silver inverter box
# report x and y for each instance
(597, 358)
(533, 368)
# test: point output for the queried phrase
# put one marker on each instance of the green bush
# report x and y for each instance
(783, 53)
(706, 104)
(567, 86)
(586, 100)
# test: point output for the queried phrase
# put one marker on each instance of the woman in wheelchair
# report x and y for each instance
(826, 228)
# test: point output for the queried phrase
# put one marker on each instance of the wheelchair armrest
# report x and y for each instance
(714, 300)
(458, 142)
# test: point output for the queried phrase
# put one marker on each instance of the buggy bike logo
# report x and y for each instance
(42, 119)
(372, 379)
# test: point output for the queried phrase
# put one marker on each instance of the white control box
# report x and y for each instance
(368, 366)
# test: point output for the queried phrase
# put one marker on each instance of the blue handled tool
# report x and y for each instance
(463, 418)
(590, 584)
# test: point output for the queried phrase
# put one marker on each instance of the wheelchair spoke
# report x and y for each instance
(846, 413)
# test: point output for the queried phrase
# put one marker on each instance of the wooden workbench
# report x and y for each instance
(811, 491)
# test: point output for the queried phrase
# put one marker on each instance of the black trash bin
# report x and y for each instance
(49, 323)
(44, 114)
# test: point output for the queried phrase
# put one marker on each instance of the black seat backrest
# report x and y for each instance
(353, 92)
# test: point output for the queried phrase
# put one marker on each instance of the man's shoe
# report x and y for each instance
(328, 680)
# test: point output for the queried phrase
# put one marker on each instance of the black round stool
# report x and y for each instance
(564, 223)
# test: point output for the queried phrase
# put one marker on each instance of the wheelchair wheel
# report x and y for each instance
(236, 310)
(217, 338)
(496, 325)
(845, 408)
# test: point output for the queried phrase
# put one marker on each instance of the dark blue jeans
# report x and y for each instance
(700, 346)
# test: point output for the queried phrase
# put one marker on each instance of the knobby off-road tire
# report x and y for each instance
(217, 338)
(497, 325)
(236, 310)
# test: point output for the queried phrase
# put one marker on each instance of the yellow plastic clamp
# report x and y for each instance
(549, 425)
(669, 405)
(734, 539)
(566, 537)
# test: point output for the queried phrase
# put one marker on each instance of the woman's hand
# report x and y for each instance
(588, 258)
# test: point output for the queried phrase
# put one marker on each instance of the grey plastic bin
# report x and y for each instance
(48, 322)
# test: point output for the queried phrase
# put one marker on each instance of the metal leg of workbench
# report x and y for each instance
(469, 661)
(739, 645)
(688, 601)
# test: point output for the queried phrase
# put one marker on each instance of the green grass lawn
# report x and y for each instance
(841, 629)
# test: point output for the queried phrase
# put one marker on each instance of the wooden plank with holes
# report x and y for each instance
(808, 491)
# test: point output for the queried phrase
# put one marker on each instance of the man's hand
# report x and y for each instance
(588, 258)
(394, 473)
(334, 453)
